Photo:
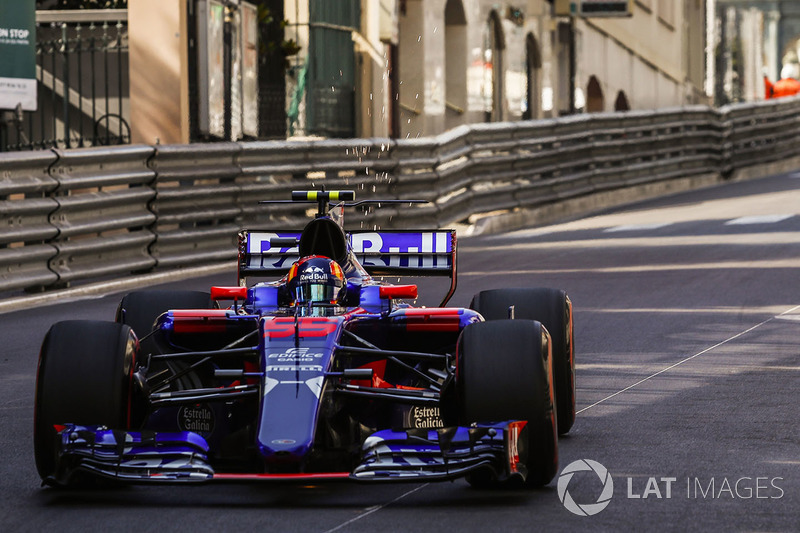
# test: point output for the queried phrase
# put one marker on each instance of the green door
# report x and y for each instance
(331, 68)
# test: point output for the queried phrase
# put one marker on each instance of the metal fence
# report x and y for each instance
(82, 214)
(82, 89)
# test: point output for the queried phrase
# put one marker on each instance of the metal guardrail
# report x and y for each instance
(70, 215)
(102, 214)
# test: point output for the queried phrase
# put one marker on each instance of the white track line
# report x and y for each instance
(698, 354)
(377, 508)
(637, 227)
(758, 219)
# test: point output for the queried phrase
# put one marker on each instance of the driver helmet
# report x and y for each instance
(316, 280)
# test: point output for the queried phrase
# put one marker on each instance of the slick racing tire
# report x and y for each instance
(553, 308)
(140, 309)
(504, 373)
(84, 377)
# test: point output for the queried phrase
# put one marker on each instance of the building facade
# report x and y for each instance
(467, 61)
(780, 28)
(753, 39)
(653, 59)
(412, 68)
(426, 66)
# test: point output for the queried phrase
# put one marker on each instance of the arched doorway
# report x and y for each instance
(455, 59)
(594, 96)
(533, 64)
(621, 103)
(493, 48)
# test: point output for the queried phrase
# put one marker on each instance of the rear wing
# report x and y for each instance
(405, 252)
(382, 253)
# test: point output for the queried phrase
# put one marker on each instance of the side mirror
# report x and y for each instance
(229, 293)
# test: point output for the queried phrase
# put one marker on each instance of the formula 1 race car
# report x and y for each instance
(324, 374)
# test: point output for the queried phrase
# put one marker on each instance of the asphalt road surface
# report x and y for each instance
(687, 315)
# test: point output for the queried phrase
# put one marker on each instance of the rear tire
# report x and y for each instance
(553, 308)
(85, 378)
(504, 373)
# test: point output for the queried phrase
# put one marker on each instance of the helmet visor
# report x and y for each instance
(315, 292)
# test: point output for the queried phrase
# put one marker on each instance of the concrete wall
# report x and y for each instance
(420, 67)
(447, 76)
(159, 86)
(372, 64)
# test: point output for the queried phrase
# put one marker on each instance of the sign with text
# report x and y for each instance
(18, 53)
(594, 8)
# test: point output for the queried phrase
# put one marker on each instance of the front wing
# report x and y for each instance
(182, 457)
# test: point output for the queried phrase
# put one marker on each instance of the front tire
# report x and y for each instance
(85, 378)
(504, 372)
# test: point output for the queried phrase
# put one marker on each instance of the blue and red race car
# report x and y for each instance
(324, 374)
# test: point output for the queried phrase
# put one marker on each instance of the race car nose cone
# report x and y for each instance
(289, 415)
(284, 450)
